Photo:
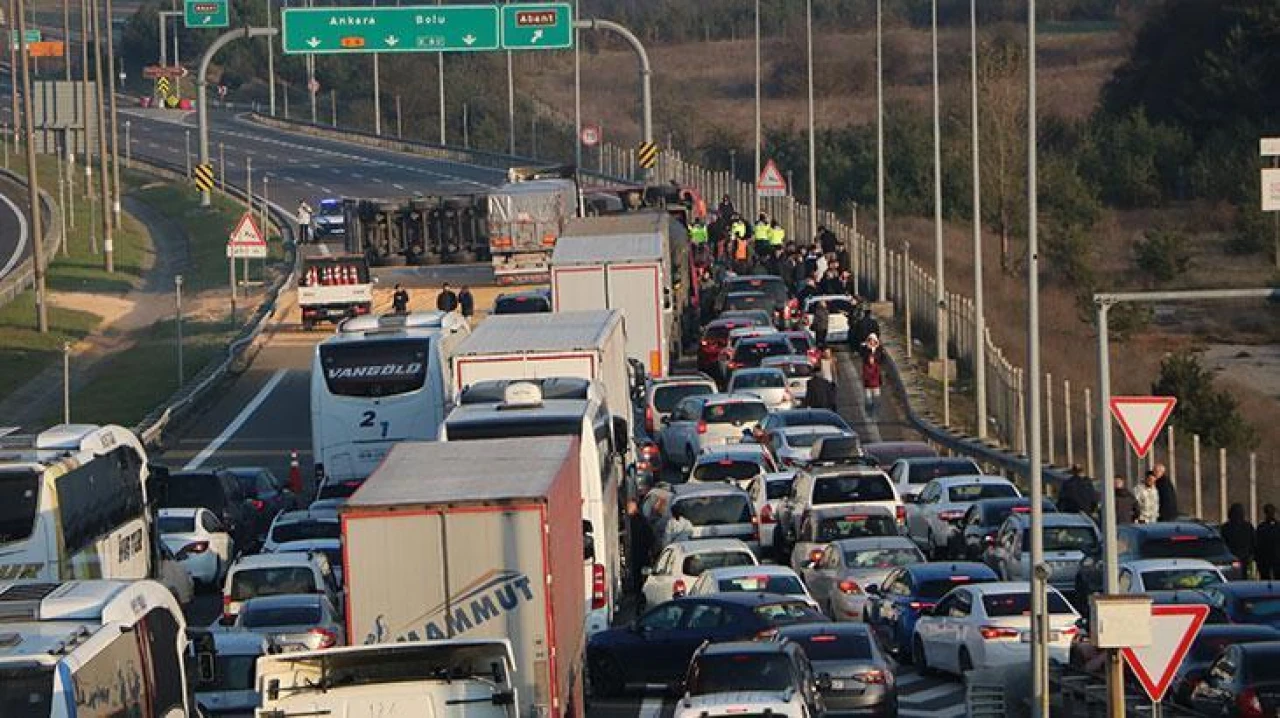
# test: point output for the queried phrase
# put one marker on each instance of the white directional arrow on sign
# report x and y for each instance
(313, 42)
(207, 19)
(392, 40)
(469, 39)
(537, 35)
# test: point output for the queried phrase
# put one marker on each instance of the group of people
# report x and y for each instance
(447, 300)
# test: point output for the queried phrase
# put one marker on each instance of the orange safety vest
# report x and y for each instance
(740, 249)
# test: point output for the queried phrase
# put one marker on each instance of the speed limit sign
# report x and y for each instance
(590, 135)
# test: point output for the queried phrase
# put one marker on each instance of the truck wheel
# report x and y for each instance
(606, 677)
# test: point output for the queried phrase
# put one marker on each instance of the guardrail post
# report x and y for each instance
(1195, 474)
(1048, 417)
(1222, 483)
(1088, 435)
(1066, 423)
(1253, 488)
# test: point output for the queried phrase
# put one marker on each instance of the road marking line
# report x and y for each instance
(650, 707)
(927, 695)
(22, 236)
(954, 711)
(398, 186)
(237, 422)
(326, 190)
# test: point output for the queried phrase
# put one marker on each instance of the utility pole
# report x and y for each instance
(979, 312)
(33, 181)
(938, 261)
(882, 271)
(511, 107)
(577, 104)
(813, 158)
(14, 82)
(115, 129)
(66, 39)
(756, 193)
(377, 97)
(177, 288)
(104, 180)
(440, 87)
(271, 65)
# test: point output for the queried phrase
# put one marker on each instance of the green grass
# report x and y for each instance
(24, 352)
(129, 385)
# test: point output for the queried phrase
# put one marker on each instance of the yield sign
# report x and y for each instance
(770, 183)
(1141, 418)
(1173, 628)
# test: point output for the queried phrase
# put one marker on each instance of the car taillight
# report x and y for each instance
(815, 555)
(678, 588)
(815, 356)
(1235, 565)
(648, 418)
(849, 586)
(734, 364)
(1069, 631)
(766, 515)
(766, 634)
(991, 633)
(597, 587)
(227, 618)
(702, 427)
(1248, 704)
(990, 539)
(328, 639)
(755, 528)
(901, 513)
(872, 677)
(919, 605)
(197, 547)
(257, 504)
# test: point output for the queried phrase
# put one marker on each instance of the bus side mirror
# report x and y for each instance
(621, 434)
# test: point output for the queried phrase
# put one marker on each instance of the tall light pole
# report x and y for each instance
(177, 288)
(756, 208)
(271, 66)
(882, 272)
(115, 126)
(813, 160)
(979, 314)
(440, 83)
(33, 181)
(1039, 644)
(104, 180)
(577, 98)
(939, 265)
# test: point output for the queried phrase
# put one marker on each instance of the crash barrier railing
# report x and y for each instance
(23, 275)
(1079, 694)
(241, 350)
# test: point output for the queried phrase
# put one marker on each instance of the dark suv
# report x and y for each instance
(266, 494)
(220, 492)
(1172, 539)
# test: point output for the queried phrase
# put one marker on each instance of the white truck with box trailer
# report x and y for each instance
(475, 539)
(526, 217)
(332, 286)
(626, 262)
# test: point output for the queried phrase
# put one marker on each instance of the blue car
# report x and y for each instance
(656, 647)
(1256, 602)
(893, 607)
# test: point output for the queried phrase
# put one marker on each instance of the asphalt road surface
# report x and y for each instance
(15, 234)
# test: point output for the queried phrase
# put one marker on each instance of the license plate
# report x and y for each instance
(1025, 636)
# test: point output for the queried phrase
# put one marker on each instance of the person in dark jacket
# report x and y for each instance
(1126, 503)
(400, 300)
(640, 542)
(820, 393)
(820, 322)
(1267, 544)
(1238, 534)
(466, 302)
(446, 300)
(1077, 495)
(863, 328)
(827, 240)
(1168, 494)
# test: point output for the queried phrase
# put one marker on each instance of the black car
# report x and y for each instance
(982, 520)
(800, 417)
(1256, 602)
(1244, 681)
(220, 492)
(533, 301)
(266, 494)
(1172, 539)
(773, 287)
(779, 667)
(1210, 643)
(750, 351)
(657, 646)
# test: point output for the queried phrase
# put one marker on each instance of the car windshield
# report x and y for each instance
(745, 300)
(935, 588)
(725, 470)
(176, 524)
(856, 526)
(1065, 538)
(716, 510)
(1001, 605)
(233, 673)
(189, 492)
(694, 565)
(734, 412)
(665, 398)
(329, 209)
(254, 483)
(741, 672)
(785, 612)
(881, 558)
(248, 583)
(1179, 578)
(1261, 607)
(836, 647)
(19, 497)
(305, 531)
(769, 583)
(26, 690)
(772, 286)
(851, 489)
(753, 350)
(1184, 546)
(521, 305)
(973, 492)
(257, 617)
(922, 472)
(802, 342)
(760, 380)
(1262, 667)
(716, 332)
(779, 489)
(339, 489)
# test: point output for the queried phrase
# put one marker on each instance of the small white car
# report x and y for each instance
(767, 492)
(934, 520)
(199, 542)
(736, 463)
(792, 446)
(767, 383)
(839, 307)
(735, 705)
(701, 421)
(274, 574)
(839, 577)
(910, 474)
(1067, 539)
(681, 563)
(752, 579)
(293, 622)
(1168, 574)
(843, 486)
(987, 625)
(798, 370)
(302, 525)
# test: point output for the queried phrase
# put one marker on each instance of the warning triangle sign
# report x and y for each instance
(1141, 418)
(770, 183)
(1173, 628)
(247, 233)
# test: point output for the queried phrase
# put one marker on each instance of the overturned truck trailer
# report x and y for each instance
(421, 230)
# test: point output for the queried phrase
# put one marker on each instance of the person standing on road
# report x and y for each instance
(872, 361)
(820, 322)
(1239, 536)
(1148, 497)
(1168, 494)
(1126, 503)
(639, 544)
(400, 300)
(466, 302)
(1077, 494)
(304, 221)
(820, 393)
(1267, 544)
(446, 300)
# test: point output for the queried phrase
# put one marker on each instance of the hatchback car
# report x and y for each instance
(801, 417)
(894, 606)
(752, 579)
(983, 519)
(714, 511)
(1248, 602)
(749, 353)
(1244, 681)
(302, 525)
(769, 384)
(934, 520)
(681, 563)
(840, 486)
(746, 300)
(838, 578)
(798, 371)
(824, 524)
(661, 396)
(725, 671)
(855, 676)
(738, 464)
(701, 421)
(911, 474)
(1168, 574)
(294, 622)
(1067, 538)
(1173, 539)
(199, 542)
(772, 286)
(657, 646)
(274, 574)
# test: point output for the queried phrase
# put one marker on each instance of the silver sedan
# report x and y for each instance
(303, 621)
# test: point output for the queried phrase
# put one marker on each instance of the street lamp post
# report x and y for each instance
(813, 161)
(759, 141)
(979, 314)
(66, 382)
(177, 287)
(882, 272)
(938, 258)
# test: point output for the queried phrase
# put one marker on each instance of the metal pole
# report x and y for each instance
(1111, 575)
(646, 73)
(62, 205)
(577, 101)
(248, 183)
(813, 160)
(271, 69)
(1088, 436)
(115, 127)
(33, 180)
(202, 112)
(440, 87)
(377, 97)
(399, 119)
(1173, 457)
(1048, 415)
(759, 141)
(881, 249)
(906, 294)
(66, 39)
(940, 319)
(1040, 649)
(177, 285)
(1253, 490)
(1066, 423)
(187, 155)
(511, 106)
(979, 310)
(222, 166)
(104, 180)
(333, 108)
(1195, 474)
(66, 382)
(466, 130)
(128, 143)
(1222, 484)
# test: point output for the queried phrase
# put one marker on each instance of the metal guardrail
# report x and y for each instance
(23, 276)
(192, 393)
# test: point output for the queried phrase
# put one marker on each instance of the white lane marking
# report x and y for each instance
(650, 707)
(22, 236)
(237, 422)
(954, 711)
(925, 696)
(326, 190)
(398, 186)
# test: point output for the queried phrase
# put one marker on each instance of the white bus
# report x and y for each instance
(378, 381)
(73, 504)
(562, 407)
(91, 649)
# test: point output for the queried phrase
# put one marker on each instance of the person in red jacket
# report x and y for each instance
(872, 364)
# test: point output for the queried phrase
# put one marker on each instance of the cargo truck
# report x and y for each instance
(637, 263)
(332, 286)
(475, 539)
(588, 345)
(526, 217)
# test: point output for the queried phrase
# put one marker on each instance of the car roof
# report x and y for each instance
(1178, 596)
(799, 417)
(1260, 649)
(680, 380)
(746, 293)
(954, 568)
(684, 491)
(784, 359)
(269, 560)
(1248, 589)
(312, 544)
(239, 643)
(936, 459)
(743, 598)
(711, 545)
(827, 298)
(726, 398)
(246, 470)
(1165, 529)
(747, 371)
(752, 278)
(323, 514)
(722, 648)
(798, 429)
(282, 600)
(1151, 564)
(737, 451)
(998, 588)
(763, 569)
(819, 512)
(829, 628)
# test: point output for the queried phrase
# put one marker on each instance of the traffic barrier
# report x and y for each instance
(295, 473)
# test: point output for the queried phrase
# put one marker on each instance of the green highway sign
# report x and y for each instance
(537, 27)
(206, 13)
(428, 28)
(30, 37)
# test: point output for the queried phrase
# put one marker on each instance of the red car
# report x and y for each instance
(715, 337)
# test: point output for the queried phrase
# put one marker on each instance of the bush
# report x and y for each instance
(1253, 232)
(1214, 415)
(1162, 255)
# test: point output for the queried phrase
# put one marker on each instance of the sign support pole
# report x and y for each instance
(646, 99)
(202, 93)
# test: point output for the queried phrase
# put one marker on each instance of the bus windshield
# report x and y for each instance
(26, 690)
(375, 368)
(19, 499)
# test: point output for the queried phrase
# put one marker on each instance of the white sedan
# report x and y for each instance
(753, 579)
(987, 625)
(681, 563)
(199, 542)
(770, 384)
(933, 521)
(839, 308)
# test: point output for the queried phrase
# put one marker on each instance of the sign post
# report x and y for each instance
(770, 182)
(246, 240)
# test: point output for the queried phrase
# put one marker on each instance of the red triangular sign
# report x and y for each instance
(770, 181)
(1173, 628)
(247, 233)
(1141, 418)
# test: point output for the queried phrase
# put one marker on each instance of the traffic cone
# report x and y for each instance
(295, 473)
